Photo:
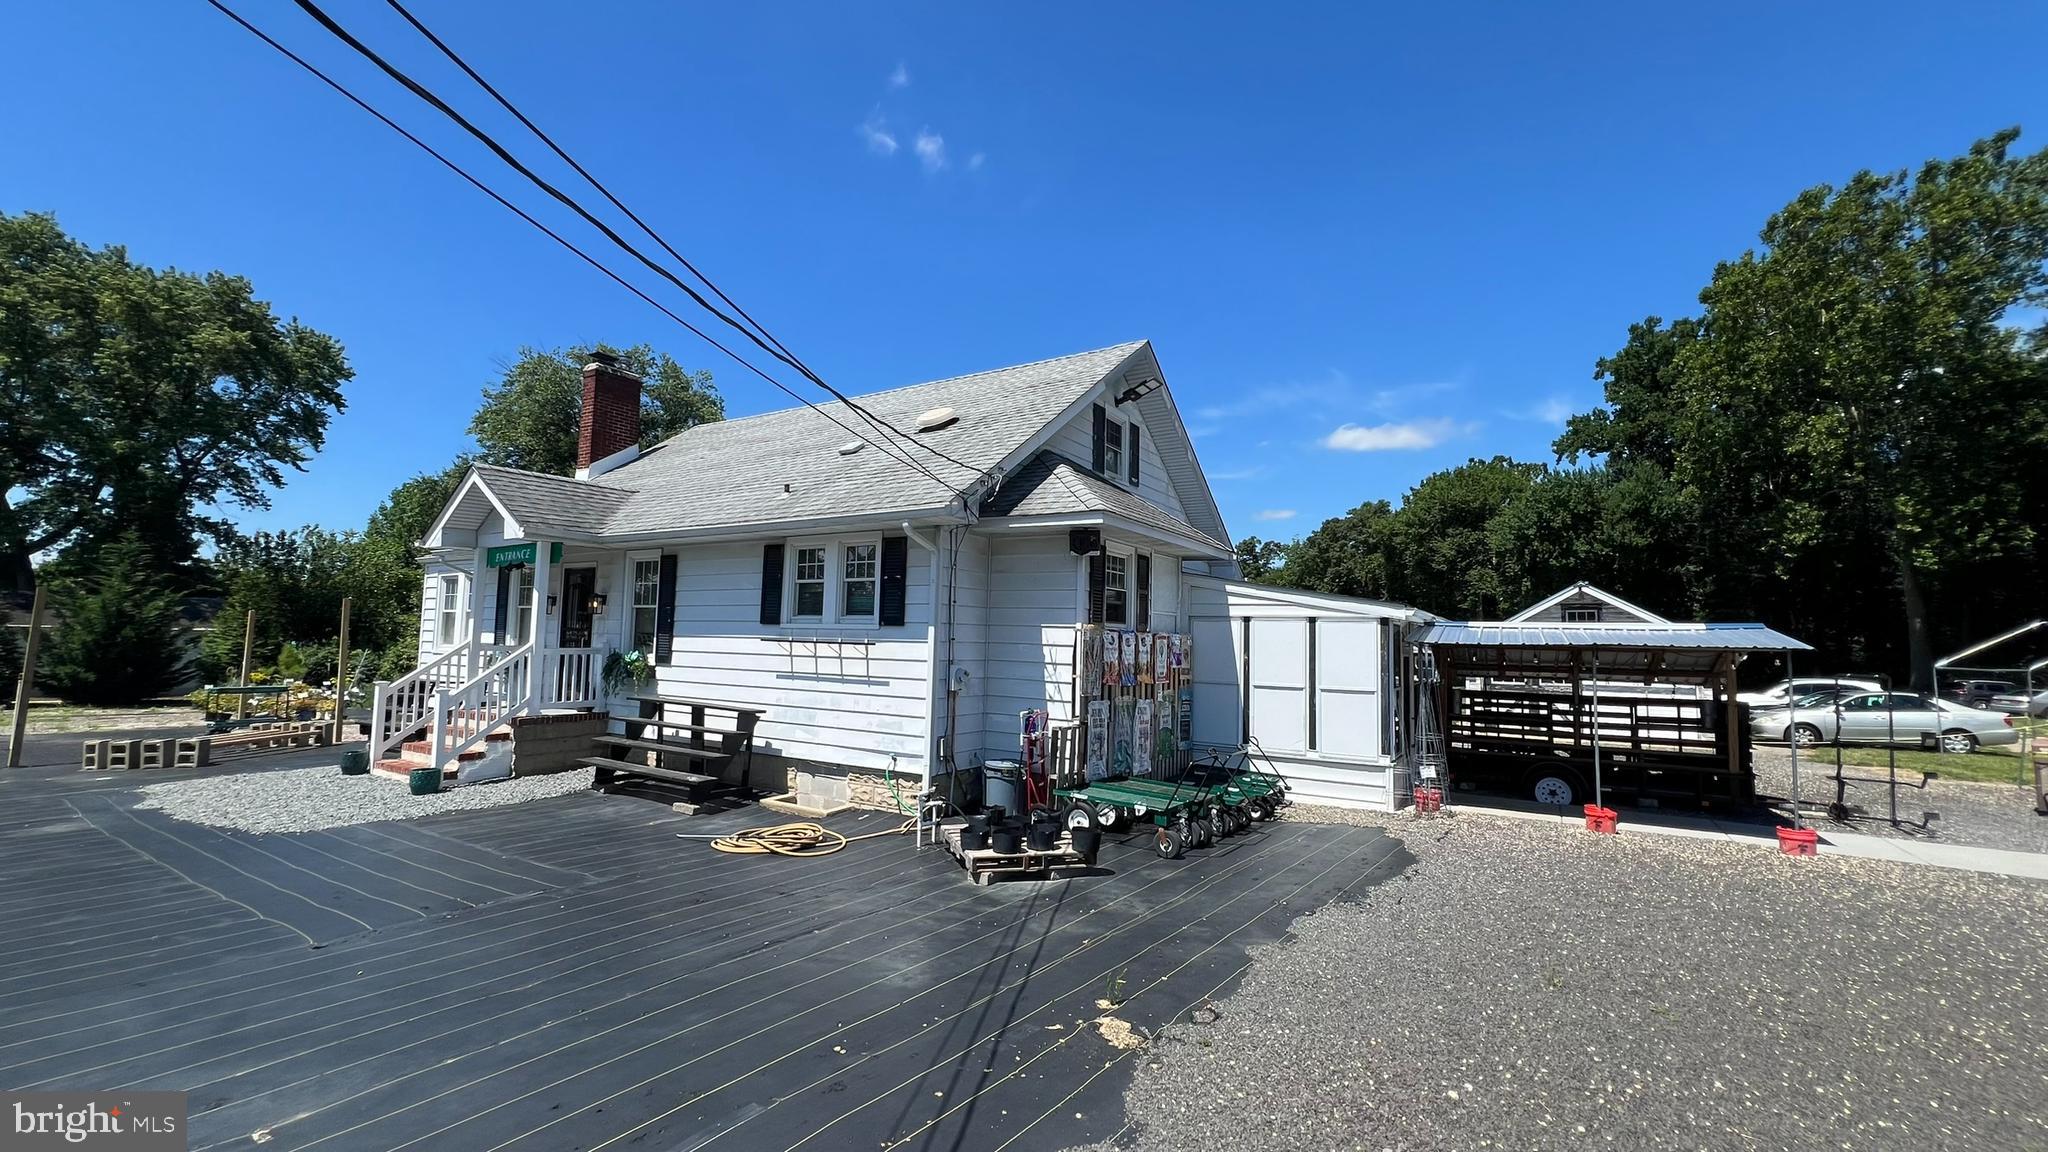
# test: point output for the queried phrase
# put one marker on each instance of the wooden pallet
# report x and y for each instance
(984, 864)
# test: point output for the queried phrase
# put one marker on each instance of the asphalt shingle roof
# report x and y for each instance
(787, 465)
(554, 505)
(1052, 485)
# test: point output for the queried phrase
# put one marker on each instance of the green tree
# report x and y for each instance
(530, 418)
(119, 639)
(1259, 559)
(10, 655)
(1852, 424)
(1443, 546)
(132, 399)
(1348, 555)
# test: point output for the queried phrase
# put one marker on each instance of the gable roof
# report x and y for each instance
(1584, 589)
(1052, 485)
(795, 467)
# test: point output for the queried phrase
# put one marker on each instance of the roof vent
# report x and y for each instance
(936, 419)
(852, 446)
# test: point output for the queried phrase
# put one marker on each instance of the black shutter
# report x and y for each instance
(895, 557)
(665, 610)
(1098, 582)
(1101, 430)
(1131, 435)
(771, 584)
(504, 595)
(1144, 566)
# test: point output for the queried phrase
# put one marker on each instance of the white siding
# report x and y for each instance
(860, 712)
(1034, 601)
(970, 642)
(1076, 441)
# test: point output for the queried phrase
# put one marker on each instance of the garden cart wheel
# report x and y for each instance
(1205, 832)
(1080, 815)
(1167, 842)
(1109, 817)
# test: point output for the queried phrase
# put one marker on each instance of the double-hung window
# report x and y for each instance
(1113, 449)
(1116, 588)
(834, 582)
(809, 601)
(519, 621)
(450, 604)
(863, 571)
(646, 598)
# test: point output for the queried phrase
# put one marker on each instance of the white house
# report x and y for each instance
(891, 601)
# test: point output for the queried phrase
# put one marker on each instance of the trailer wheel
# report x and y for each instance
(1167, 843)
(1552, 788)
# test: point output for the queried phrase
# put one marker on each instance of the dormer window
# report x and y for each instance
(1113, 448)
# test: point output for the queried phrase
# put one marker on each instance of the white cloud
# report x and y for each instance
(900, 78)
(975, 161)
(931, 149)
(1277, 514)
(1406, 436)
(1553, 410)
(876, 132)
(1239, 473)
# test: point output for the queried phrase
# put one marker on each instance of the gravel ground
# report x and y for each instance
(1526, 986)
(306, 799)
(1984, 815)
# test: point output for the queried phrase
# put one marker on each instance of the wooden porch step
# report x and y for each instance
(691, 779)
(682, 750)
(713, 705)
(679, 726)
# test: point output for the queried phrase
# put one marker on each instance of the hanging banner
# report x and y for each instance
(511, 555)
(1098, 739)
(1144, 660)
(1128, 641)
(1141, 739)
(1121, 758)
(1111, 650)
(1162, 659)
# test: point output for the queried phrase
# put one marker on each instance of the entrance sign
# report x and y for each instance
(508, 555)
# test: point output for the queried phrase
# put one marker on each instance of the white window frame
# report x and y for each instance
(1113, 444)
(834, 601)
(519, 613)
(451, 600)
(843, 559)
(633, 606)
(1130, 562)
(1591, 614)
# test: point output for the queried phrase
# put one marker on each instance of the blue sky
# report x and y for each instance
(1368, 243)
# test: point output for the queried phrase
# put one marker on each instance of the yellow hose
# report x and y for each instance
(797, 838)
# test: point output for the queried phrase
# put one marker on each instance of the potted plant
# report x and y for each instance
(625, 669)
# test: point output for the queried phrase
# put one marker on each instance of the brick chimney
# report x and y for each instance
(611, 414)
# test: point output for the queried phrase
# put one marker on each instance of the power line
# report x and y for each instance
(424, 93)
(557, 237)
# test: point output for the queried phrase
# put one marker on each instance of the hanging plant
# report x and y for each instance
(623, 669)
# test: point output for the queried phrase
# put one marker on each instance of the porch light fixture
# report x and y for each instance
(597, 603)
(551, 604)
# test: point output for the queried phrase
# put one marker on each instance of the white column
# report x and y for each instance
(541, 681)
(478, 570)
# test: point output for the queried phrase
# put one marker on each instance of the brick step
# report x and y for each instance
(402, 769)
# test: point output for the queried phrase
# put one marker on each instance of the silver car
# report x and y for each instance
(1898, 718)
(2018, 704)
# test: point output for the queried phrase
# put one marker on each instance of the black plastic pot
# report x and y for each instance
(973, 839)
(1087, 842)
(1006, 840)
(1045, 831)
(979, 822)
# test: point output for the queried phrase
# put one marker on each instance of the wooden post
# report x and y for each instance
(1734, 721)
(248, 638)
(28, 677)
(342, 673)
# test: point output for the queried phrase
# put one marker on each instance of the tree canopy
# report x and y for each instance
(529, 419)
(1847, 441)
(132, 399)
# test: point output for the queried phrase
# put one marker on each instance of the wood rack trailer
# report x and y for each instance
(1528, 707)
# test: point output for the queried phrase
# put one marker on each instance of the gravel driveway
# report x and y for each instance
(1533, 987)
(1984, 815)
(307, 799)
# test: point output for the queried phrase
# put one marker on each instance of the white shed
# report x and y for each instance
(1315, 680)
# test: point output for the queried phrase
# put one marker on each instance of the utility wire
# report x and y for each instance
(424, 93)
(359, 102)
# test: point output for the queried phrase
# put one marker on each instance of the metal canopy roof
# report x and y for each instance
(1636, 637)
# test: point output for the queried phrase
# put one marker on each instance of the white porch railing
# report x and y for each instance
(403, 706)
(570, 678)
(465, 715)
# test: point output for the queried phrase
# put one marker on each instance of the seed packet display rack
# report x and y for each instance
(1134, 700)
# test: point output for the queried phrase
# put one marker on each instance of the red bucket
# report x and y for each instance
(1428, 798)
(1600, 819)
(1799, 841)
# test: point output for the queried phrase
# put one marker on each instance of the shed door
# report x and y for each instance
(1348, 708)
(1218, 697)
(1280, 684)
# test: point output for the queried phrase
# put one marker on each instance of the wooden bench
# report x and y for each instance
(706, 746)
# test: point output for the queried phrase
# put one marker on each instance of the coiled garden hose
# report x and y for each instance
(800, 838)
